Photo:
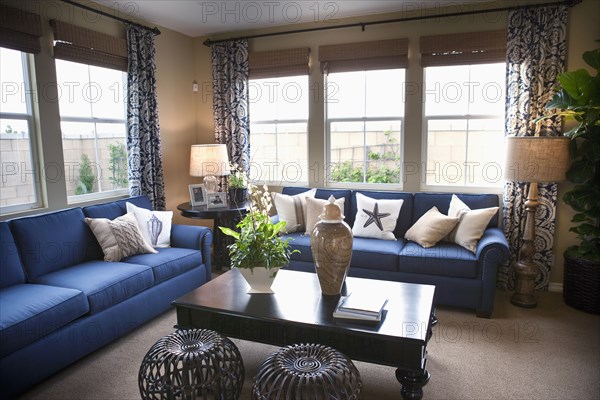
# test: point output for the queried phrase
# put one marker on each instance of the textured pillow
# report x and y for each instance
(376, 218)
(292, 209)
(314, 208)
(120, 237)
(154, 225)
(471, 223)
(432, 227)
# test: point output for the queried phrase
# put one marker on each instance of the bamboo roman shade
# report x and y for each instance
(363, 56)
(278, 63)
(74, 43)
(463, 48)
(20, 30)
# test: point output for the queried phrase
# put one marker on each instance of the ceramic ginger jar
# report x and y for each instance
(331, 246)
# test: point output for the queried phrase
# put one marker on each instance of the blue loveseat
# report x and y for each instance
(462, 278)
(60, 301)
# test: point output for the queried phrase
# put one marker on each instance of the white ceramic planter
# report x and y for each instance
(260, 279)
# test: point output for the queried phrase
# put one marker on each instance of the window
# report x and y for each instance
(279, 130)
(464, 125)
(365, 113)
(20, 188)
(92, 115)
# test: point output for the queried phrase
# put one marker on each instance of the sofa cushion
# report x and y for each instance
(104, 283)
(471, 223)
(432, 227)
(324, 194)
(154, 225)
(376, 218)
(168, 262)
(117, 208)
(292, 209)
(11, 270)
(424, 202)
(29, 312)
(314, 209)
(52, 241)
(404, 221)
(120, 237)
(301, 242)
(376, 254)
(446, 259)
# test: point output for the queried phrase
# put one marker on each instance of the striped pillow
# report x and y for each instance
(292, 209)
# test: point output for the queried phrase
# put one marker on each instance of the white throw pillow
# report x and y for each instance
(120, 237)
(376, 218)
(155, 225)
(314, 209)
(432, 227)
(471, 223)
(292, 209)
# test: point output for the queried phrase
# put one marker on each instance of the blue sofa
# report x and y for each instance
(60, 301)
(462, 279)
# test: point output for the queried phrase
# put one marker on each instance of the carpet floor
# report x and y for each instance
(549, 352)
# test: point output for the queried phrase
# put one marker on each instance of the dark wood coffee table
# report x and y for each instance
(299, 313)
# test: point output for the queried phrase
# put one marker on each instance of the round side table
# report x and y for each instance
(227, 216)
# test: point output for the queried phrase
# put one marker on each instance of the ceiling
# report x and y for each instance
(204, 18)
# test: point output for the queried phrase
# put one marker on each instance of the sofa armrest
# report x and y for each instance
(492, 250)
(196, 238)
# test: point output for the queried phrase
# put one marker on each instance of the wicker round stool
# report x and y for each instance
(307, 371)
(192, 364)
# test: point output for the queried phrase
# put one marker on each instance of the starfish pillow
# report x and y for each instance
(376, 218)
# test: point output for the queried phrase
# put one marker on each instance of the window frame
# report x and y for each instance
(425, 136)
(364, 120)
(101, 194)
(277, 122)
(30, 116)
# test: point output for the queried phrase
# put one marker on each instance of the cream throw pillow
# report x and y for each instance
(120, 237)
(154, 225)
(292, 209)
(432, 227)
(314, 208)
(471, 223)
(376, 218)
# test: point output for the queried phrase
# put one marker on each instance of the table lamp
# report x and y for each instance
(533, 159)
(209, 161)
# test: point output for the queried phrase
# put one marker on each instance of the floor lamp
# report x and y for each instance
(533, 159)
(209, 161)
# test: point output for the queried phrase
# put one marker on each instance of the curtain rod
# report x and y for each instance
(362, 25)
(155, 29)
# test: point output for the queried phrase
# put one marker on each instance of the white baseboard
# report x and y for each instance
(555, 287)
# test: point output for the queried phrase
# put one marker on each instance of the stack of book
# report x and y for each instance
(366, 307)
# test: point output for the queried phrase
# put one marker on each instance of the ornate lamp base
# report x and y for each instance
(525, 285)
(526, 270)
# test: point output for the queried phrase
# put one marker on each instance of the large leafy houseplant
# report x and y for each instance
(258, 242)
(578, 100)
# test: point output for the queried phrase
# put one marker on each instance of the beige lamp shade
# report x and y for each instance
(536, 158)
(209, 160)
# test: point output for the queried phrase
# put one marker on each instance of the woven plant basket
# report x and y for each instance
(581, 288)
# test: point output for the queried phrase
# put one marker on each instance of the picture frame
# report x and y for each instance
(216, 200)
(197, 194)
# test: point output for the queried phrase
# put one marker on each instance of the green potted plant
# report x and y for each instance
(578, 100)
(237, 182)
(258, 251)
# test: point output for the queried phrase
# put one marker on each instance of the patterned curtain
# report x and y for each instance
(230, 97)
(143, 132)
(535, 56)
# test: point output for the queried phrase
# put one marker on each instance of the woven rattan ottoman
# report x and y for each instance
(192, 364)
